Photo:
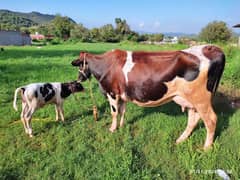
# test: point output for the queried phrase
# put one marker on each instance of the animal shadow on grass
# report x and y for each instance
(169, 109)
(224, 111)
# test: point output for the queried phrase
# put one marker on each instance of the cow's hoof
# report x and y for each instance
(30, 135)
(179, 140)
(207, 148)
(121, 124)
(112, 129)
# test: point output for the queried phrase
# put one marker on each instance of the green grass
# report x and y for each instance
(83, 149)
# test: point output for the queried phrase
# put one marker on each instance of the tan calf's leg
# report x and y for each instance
(193, 118)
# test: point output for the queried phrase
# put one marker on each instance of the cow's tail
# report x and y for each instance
(15, 98)
(215, 72)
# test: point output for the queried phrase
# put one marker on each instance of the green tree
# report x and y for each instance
(25, 30)
(95, 35)
(81, 33)
(46, 29)
(158, 37)
(122, 27)
(143, 37)
(62, 26)
(108, 34)
(215, 31)
(123, 30)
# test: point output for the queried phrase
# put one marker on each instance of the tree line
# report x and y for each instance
(63, 28)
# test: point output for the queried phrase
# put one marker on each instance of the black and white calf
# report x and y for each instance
(36, 95)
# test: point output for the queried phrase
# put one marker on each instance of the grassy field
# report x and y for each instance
(83, 149)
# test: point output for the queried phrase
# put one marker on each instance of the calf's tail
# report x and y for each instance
(15, 98)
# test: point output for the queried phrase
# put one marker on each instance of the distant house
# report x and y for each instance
(37, 36)
(170, 40)
(14, 38)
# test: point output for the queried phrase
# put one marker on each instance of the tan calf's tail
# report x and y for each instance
(15, 98)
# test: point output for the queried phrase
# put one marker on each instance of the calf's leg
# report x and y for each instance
(28, 117)
(57, 112)
(24, 110)
(61, 111)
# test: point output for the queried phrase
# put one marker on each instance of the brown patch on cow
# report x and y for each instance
(110, 65)
(212, 52)
(152, 70)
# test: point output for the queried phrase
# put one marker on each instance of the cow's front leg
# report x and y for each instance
(113, 101)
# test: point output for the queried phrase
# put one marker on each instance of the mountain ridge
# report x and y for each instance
(25, 19)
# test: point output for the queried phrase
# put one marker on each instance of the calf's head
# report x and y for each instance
(70, 87)
(84, 71)
(75, 86)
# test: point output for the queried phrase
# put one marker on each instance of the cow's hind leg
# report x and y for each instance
(113, 101)
(122, 109)
(210, 120)
(193, 118)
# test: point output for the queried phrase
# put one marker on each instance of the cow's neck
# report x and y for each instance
(99, 66)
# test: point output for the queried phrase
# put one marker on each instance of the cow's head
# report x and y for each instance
(84, 71)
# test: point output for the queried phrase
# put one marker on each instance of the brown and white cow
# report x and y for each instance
(189, 77)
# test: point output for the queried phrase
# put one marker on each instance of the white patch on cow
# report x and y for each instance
(197, 51)
(128, 65)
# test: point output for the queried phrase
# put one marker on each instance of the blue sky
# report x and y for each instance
(188, 16)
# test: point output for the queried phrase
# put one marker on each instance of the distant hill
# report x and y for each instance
(25, 19)
(172, 34)
(179, 34)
